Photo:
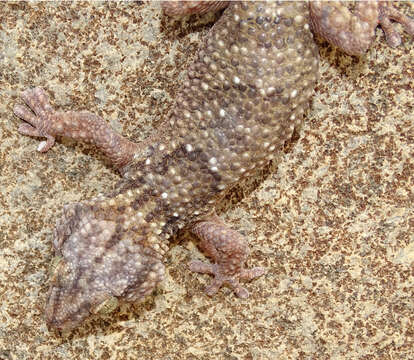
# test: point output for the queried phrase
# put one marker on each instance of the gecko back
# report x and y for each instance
(242, 99)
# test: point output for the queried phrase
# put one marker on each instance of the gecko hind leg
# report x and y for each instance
(387, 13)
(229, 250)
(354, 31)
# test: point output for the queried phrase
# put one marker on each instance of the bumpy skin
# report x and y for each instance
(173, 8)
(354, 33)
(241, 101)
(230, 250)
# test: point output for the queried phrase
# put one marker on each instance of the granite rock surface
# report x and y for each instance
(333, 221)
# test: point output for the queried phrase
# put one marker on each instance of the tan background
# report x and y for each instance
(334, 224)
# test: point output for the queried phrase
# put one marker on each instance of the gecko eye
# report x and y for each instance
(55, 264)
(107, 306)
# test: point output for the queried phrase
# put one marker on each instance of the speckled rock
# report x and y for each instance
(333, 223)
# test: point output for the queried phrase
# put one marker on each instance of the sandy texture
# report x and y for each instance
(334, 224)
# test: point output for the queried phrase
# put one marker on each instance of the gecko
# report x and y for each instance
(241, 100)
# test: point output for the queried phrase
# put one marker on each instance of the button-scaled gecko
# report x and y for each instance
(240, 102)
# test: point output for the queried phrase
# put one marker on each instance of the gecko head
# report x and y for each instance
(98, 264)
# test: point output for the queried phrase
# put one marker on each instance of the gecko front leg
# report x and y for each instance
(43, 121)
(229, 250)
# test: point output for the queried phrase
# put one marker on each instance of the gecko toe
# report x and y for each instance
(37, 100)
(200, 267)
(28, 130)
(250, 274)
(37, 114)
(25, 114)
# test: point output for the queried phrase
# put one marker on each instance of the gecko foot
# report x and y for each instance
(386, 14)
(220, 277)
(38, 115)
(229, 250)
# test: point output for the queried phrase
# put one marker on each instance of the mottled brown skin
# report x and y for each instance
(241, 101)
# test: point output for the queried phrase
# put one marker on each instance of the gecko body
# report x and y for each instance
(241, 101)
